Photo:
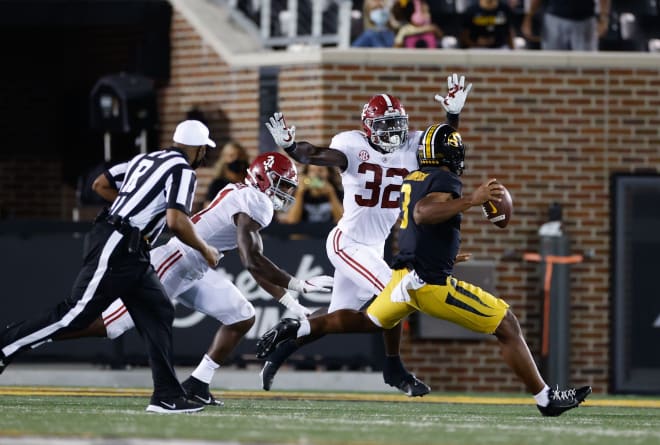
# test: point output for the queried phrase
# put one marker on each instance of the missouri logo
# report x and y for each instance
(454, 140)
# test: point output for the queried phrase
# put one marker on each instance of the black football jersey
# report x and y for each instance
(430, 249)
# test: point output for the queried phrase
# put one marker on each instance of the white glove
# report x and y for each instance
(283, 136)
(410, 281)
(455, 100)
(297, 309)
(321, 283)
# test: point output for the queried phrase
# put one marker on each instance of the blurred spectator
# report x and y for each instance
(569, 24)
(418, 31)
(318, 197)
(377, 32)
(229, 168)
(488, 24)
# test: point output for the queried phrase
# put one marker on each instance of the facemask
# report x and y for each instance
(379, 17)
(237, 166)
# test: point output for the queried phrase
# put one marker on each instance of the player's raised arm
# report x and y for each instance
(455, 98)
(303, 152)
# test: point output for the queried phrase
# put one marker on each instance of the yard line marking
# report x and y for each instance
(53, 391)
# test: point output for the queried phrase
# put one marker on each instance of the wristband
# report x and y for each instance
(288, 301)
(291, 148)
(292, 304)
(295, 285)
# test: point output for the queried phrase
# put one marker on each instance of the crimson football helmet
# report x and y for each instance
(440, 145)
(385, 122)
(276, 176)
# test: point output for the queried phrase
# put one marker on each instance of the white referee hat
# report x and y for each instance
(193, 133)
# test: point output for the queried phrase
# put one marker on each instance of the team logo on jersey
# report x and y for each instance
(363, 155)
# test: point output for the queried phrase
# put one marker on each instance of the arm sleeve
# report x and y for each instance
(116, 174)
(180, 189)
(446, 183)
(256, 205)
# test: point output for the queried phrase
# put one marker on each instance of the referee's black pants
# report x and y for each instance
(110, 271)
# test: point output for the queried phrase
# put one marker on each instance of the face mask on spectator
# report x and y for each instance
(379, 17)
(237, 166)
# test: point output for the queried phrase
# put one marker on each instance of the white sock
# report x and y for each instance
(205, 370)
(542, 397)
(304, 328)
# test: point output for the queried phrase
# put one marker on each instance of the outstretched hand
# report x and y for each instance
(456, 96)
(319, 283)
(283, 136)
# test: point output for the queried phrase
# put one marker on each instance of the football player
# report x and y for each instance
(431, 207)
(373, 163)
(233, 219)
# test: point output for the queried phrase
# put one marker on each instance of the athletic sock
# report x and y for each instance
(304, 328)
(205, 370)
(542, 397)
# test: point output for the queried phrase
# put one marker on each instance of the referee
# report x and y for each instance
(147, 192)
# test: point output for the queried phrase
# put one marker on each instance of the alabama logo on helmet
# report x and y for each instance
(276, 176)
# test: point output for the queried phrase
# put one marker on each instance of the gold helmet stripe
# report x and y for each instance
(429, 148)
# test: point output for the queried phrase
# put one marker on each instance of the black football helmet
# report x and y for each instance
(442, 145)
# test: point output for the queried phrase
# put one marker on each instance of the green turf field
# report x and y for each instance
(329, 418)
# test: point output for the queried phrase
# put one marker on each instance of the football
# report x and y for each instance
(499, 213)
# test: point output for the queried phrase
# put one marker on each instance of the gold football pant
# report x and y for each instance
(456, 301)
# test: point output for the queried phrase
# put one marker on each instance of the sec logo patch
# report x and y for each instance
(363, 155)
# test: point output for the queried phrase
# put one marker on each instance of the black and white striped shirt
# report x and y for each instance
(148, 185)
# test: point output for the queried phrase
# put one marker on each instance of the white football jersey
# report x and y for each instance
(215, 223)
(372, 182)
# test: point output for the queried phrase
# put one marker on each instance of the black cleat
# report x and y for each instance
(199, 391)
(176, 405)
(4, 362)
(411, 386)
(564, 400)
(267, 374)
(286, 329)
(275, 360)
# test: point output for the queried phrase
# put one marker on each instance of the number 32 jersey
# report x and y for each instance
(372, 182)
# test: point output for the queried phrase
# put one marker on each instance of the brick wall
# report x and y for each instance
(200, 79)
(552, 128)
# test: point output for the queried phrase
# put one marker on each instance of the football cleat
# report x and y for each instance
(286, 329)
(563, 400)
(267, 374)
(199, 391)
(176, 405)
(4, 362)
(412, 386)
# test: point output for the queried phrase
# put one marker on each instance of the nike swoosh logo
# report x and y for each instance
(167, 405)
(493, 209)
(205, 401)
